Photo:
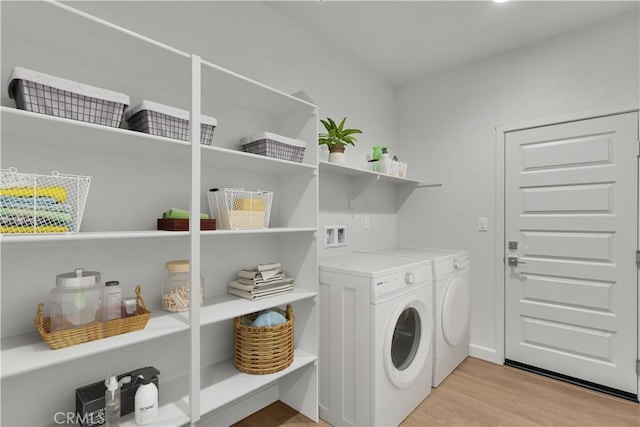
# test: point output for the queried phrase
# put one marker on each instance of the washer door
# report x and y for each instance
(456, 305)
(408, 339)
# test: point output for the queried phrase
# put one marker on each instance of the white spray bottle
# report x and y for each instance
(146, 399)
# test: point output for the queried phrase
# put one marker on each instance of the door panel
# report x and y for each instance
(571, 204)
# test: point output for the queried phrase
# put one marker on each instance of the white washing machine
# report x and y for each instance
(376, 338)
(452, 299)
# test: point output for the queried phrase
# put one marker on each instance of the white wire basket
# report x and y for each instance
(238, 209)
(32, 203)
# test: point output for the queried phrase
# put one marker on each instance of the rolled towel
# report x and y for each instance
(175, 213)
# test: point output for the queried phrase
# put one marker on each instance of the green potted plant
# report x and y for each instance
(336, 139)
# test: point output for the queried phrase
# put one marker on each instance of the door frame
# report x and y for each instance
(499, 213)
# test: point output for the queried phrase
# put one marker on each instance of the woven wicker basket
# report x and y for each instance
(94, 331)
(265, 349)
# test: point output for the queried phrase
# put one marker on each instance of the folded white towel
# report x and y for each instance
(260, 283)
(259, 275)
(257, 289)
(254, 297)
(264, 267)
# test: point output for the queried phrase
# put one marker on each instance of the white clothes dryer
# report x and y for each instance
(376, 338)
(452, 300)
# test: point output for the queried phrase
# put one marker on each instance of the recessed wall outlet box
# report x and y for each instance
(341, 234)
(90, 398)
(330, 236)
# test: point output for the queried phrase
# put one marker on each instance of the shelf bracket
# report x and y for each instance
(430, 184)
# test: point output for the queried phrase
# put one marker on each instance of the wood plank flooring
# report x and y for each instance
(481, 394)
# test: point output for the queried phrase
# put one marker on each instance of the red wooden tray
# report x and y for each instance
(183, 224)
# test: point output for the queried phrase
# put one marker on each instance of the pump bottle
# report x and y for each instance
(146, 399)
(112, 402)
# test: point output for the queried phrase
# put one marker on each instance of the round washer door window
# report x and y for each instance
(408, 341)
(406, 338)
(456, 306)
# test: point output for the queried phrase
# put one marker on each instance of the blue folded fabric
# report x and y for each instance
(23, 202)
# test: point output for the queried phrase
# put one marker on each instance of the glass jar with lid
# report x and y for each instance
(76, 300)
(175, 289)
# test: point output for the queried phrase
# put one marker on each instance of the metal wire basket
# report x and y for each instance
(162, 120)
(238, 209)
(32, 203)
(42, 93)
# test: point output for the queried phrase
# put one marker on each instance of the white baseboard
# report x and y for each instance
(484, 353)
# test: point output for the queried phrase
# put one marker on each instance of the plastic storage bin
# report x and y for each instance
(162, 120)
(238, 209)
(32, 203)
(175, 288)
(55, 96)
(276, 146)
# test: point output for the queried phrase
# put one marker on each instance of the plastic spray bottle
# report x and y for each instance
(112, 400)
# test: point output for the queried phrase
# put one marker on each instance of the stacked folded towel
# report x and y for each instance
(41, 209)
(262, 281)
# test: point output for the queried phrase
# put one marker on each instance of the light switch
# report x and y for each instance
(483, 223)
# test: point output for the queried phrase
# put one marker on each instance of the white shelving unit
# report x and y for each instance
(135, 177)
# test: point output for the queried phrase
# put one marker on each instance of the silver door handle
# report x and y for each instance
(514, 261)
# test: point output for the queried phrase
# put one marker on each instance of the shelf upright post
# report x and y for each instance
(194, 241)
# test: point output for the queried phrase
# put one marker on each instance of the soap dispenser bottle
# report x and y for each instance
(385, 163)
(146, 398)
(377, 154)
(112, 402)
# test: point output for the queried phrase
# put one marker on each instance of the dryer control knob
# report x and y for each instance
(456, 264)
(410, 278)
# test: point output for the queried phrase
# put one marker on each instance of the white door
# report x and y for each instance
(571, 207)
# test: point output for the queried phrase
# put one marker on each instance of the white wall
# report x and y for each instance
(254, 40)
(448, 121)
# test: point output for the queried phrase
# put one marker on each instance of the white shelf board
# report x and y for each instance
(21, 127)
(271, 230)
(169, 415)
(222, 85)
(24, 128)
(28, 352)
(337, 168)
(94, 235)
(224, 158)
(144, 234)
(228, 306)
(222, 383)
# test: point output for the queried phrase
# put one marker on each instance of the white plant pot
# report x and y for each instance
(337, 157)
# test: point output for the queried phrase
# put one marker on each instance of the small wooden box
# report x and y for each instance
(183, 224)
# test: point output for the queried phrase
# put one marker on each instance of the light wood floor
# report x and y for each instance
(480, 393)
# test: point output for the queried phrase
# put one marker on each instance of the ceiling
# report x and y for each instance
(403, 40)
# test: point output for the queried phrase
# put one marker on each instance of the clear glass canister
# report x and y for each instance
(76, 300)
(175, 289)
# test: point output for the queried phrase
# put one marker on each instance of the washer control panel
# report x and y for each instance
(394, 283)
